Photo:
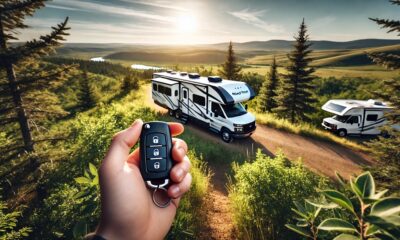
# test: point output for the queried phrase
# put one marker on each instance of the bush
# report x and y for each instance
(262, 195)
(8, 224)
(363, 213)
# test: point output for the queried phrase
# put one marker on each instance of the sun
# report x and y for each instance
(187, 23)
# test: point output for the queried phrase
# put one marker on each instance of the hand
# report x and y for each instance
(127, 209)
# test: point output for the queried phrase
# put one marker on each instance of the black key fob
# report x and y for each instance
(156, 154)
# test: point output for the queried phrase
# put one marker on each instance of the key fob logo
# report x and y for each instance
(156, 165)
(155, 140)
(156, 152)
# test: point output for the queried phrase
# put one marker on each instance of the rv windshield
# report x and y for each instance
(341, 118)
(233, 110)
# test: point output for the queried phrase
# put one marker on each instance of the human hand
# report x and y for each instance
(127, 209)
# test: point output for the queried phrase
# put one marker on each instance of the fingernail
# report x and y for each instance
(175, 191)
(179, 173)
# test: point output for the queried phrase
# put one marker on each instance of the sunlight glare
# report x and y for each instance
(187, 23)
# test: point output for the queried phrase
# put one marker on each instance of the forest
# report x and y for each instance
(59, 112)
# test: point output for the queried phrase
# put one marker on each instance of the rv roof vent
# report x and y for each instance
(374, 102)
(169, 71)
(214, 79)
(194, 75)
(184, 73)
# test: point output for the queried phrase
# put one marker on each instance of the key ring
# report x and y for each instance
(160, 205)
(161, 187)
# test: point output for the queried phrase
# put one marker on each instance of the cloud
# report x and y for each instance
(254, 18)
(97, 7)
(64, 8)
(323, 22)
(159, 4)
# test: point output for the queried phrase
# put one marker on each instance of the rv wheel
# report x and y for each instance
(177, 114)
(171, 112)
(226, 135)
(342, 132)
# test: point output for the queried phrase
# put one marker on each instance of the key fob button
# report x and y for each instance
(156, 152)
(156, 165)
(155, 139)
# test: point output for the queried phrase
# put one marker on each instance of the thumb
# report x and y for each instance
(121, 144)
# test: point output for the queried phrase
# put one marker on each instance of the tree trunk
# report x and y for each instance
(21, 114)
(16, 95)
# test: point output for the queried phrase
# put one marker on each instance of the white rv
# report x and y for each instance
(211, 101)
(355, 116)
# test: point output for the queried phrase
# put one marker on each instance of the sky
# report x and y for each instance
(210, 21)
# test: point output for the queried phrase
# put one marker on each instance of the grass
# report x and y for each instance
(307, 130)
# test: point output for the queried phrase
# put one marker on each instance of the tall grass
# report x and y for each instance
(305, 129)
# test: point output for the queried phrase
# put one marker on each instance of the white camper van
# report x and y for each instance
(211, 101)
(355, 116)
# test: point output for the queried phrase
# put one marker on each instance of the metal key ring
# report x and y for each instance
(160, 205)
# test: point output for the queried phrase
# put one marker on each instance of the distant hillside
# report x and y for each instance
(190, 56)
(316, 45)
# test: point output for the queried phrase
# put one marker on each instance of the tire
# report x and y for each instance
(226, 135)
(342, 133)
(177, 114)
(171, 112)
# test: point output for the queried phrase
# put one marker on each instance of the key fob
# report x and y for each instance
(156, 154)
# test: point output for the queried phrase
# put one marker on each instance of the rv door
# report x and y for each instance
(372, 121)
(353, 124)
(185, 100)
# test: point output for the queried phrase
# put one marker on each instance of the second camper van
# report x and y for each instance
(355, 116)
(212, 101)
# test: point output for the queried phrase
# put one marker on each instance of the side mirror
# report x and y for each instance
(246, 107)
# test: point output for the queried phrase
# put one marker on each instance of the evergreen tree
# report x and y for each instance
(86, 97)
(386, 149)
(230, 69)
(295, 95)
(268, 90)
(129, 82)
(26, 84)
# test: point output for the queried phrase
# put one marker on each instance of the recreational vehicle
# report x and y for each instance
(355, 116)
(214, 102)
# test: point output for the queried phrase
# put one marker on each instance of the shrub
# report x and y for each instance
(262, 195)
(8, 224)
(365, 213)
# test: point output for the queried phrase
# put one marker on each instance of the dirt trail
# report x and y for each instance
(321, 157)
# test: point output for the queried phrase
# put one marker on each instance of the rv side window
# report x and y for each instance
(372, 117)
(164, 90)
(184, 94)
(176, 93)
(168, 91)
(199, 100)
(154, 87)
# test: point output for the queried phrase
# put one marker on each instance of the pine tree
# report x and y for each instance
(230, 69)
(130, 82)
(386, 149)
(295, 94)
(26, 84)
(86, 97)
(268, 90)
